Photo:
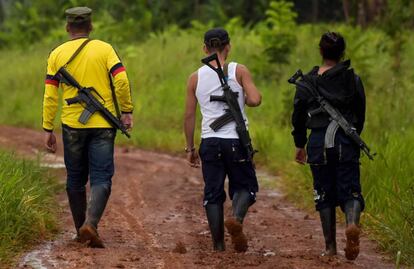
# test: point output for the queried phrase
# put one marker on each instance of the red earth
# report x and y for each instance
(155, 219)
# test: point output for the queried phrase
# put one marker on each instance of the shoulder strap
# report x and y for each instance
(76, 53)
(111, 85)
(226, 71)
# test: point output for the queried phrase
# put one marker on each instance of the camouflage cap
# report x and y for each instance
(78, 14)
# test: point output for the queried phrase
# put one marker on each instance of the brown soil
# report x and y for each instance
(89, 235)
(180, 248)
(156, 205)
(352, 233)
(238, 238)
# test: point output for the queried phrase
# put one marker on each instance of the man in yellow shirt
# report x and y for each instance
(88, 148)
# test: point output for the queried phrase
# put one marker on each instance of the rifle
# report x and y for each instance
(92, 105)
(233, 113)
(337, 119)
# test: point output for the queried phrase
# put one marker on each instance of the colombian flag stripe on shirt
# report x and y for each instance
(52, 80)
(91, 68)
(116, 69)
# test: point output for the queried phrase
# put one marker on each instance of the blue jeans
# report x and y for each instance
(88, 152)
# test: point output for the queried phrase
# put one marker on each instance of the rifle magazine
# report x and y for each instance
(221, 121)
(85, 116)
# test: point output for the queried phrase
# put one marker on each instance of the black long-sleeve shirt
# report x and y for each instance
(342, 88)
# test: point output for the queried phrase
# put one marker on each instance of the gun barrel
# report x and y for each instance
(115, 122)
(295, 77)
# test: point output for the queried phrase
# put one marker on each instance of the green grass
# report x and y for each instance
(27, 205)
(158, 69)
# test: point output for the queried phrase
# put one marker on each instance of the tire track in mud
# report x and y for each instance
(156, 203)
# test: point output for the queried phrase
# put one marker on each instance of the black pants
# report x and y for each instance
(336, 171)
(226, 157)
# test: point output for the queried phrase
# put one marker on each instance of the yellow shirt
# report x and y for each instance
(91, 68)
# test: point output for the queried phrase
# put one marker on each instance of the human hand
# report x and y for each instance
(301, 156)
(127, 120)
(50, 142)
(193, 159)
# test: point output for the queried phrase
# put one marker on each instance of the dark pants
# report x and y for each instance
(88, 152)
(226, 157)
(336, 173)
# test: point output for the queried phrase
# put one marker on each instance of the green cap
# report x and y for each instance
(78, 14)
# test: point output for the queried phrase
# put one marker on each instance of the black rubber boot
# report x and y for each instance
(98, 198)
(77, 204)
(352, 232)
(328, 221)
(215, 217)
(241, 202)
(352, 212)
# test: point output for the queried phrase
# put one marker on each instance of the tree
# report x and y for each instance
(315, 10)
(397, 19)
(346, 6)
(1, 12)
(363, 12)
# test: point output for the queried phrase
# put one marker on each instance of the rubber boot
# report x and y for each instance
(77, 204)
(241, 203)
(352, 232)
(98, 198)
(328, 221)
(215, 217)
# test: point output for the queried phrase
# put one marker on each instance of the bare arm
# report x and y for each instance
(189, 121)
(244, 77)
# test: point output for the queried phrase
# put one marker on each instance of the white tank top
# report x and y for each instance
(209, 84)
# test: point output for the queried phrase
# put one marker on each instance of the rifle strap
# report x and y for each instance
(226, 71)
(111, 85)
(76, 53)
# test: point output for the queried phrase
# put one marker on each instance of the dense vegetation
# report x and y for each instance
(27, 205)
(273, 47)
(24, 21)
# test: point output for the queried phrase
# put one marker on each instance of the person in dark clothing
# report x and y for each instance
(335, 169)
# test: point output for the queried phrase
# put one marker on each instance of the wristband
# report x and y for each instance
(190, 150)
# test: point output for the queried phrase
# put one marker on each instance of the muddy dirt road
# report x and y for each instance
(156, 202)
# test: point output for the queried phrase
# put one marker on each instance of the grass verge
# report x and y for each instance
(27, 205)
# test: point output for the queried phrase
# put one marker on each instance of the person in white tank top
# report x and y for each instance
(220, 151)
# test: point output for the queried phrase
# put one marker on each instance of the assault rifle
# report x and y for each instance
(233, 113)
(337, 119)
(91, 104)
